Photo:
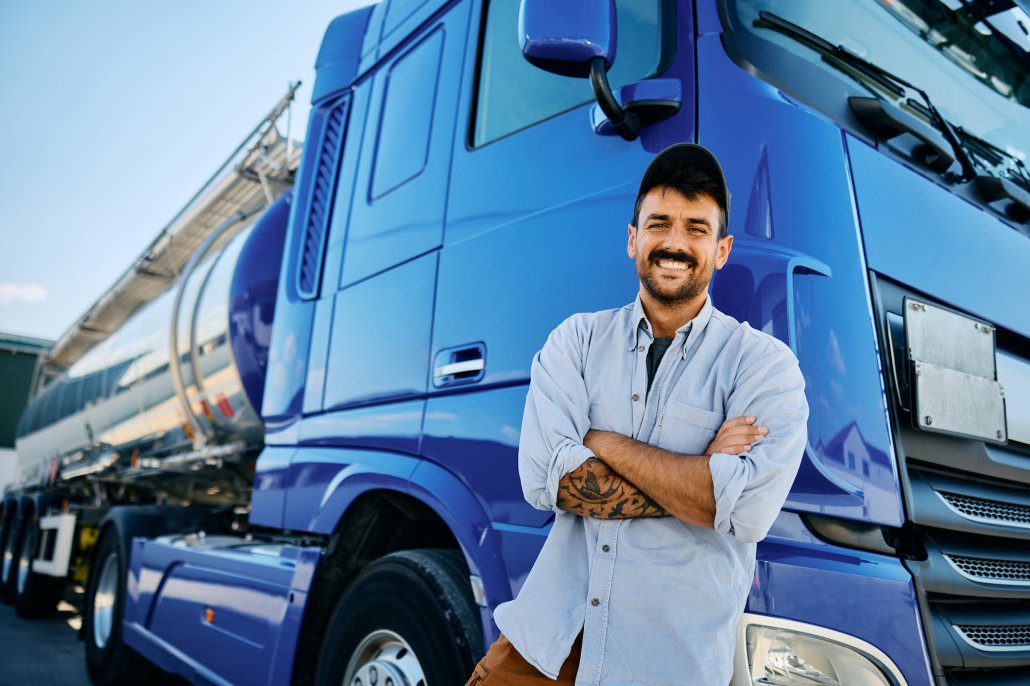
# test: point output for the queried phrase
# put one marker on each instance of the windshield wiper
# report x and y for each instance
(992, 153)
(1014, 190)
(1007, 178)
(987, 151)
(890, 82)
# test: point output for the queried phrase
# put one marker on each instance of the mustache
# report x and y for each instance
(660, 254)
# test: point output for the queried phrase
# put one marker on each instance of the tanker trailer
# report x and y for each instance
(154, 430)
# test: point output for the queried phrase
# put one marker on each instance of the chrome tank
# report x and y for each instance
(118, 407)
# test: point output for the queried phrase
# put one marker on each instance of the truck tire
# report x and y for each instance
(35, 595)
(8, 541)
(109, 660)
(408, 618)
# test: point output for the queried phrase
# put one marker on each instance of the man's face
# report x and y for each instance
(676, 245)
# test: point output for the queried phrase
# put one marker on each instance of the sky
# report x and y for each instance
(113, 114)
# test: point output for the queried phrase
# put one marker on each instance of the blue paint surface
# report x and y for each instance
(222, 613)
(252, 298)
(861, 594)
(908, 220)
(796, 272)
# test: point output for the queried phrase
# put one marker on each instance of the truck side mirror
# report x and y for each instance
(566, 37)
(577, 38)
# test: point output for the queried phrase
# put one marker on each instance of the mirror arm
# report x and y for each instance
(625, 123)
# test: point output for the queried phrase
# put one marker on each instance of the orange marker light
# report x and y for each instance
(205, 410)
(224, 406)
(209, 615)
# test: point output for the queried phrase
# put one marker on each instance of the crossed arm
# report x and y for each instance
(605, 486)
(567, 466)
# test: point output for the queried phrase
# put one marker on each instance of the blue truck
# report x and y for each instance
(308, 473)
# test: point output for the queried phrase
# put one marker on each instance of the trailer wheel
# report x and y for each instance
(109, 660)
(34, 595)
(8, 543)
(408, 618)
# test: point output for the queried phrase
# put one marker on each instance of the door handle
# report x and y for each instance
(459, 368)
(460, 365)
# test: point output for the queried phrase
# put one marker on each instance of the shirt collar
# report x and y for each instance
(691, 330)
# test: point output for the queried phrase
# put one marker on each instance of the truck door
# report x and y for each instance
(536, 230)
(380, 273)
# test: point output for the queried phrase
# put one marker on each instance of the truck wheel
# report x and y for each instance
(8, 542)
(407, 619)
(109, 661)
(35, 595)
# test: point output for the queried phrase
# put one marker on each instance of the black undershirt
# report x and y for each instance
(654, 358)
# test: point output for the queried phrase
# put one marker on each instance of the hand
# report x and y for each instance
(736, 436)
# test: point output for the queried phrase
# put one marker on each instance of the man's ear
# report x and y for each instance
(722, 252)
(631, 245)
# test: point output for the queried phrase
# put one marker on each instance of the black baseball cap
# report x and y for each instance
(670, 163)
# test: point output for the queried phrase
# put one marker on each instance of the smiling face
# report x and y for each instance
(676, 247)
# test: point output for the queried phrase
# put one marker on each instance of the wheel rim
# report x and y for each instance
(25, 555)
(384, 658)
(103, 601)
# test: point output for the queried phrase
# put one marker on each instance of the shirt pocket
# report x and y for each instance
(607, 417)
(687, 429)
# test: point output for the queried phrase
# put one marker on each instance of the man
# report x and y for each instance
(659, 498)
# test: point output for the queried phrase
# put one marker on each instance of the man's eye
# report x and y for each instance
(657, 227)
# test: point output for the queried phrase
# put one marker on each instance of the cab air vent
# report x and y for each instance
(322, 185)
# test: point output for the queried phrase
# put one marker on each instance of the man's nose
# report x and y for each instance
(675, 239)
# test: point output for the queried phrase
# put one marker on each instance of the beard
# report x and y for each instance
(695, 284)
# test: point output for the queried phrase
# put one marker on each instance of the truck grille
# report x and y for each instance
(967, 506)
(981, 509)
(991, 570)
(997, 637)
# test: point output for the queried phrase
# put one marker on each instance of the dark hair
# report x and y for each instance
(691, 183)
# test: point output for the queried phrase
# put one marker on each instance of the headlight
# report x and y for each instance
(779, 657)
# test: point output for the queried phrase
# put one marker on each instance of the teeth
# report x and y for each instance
(671, 264)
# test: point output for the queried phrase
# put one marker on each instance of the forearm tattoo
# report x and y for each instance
(596, 490)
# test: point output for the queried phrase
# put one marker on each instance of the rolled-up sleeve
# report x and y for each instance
(556, 417)
(750, 488)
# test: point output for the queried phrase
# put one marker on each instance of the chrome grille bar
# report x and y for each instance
(988, 570)
(1013, 637)
(987, 511)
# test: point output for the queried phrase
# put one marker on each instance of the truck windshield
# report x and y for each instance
(975, 67)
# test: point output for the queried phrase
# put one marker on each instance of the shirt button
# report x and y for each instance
(636, 397)
(641, 349)
(605, 548)
(595, 602)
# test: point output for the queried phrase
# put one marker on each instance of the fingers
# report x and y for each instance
(743, 430)
(732, 449)
(741, 427)
(737, 435)
(737, 421)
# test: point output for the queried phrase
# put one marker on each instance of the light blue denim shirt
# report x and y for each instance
(657, 600)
